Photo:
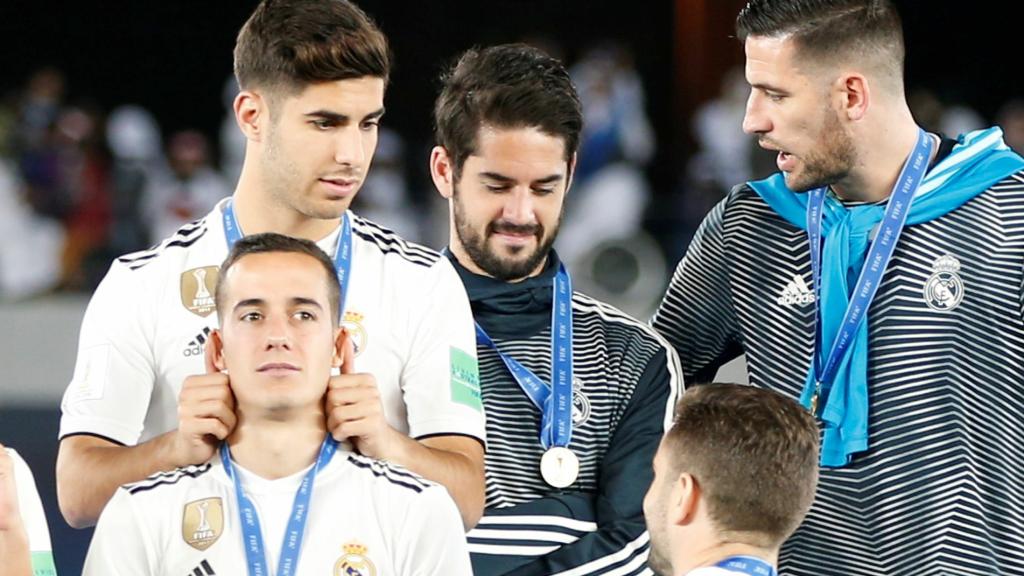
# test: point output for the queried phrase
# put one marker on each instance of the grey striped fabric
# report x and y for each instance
(941, 489)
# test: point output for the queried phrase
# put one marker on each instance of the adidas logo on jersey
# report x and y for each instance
(796, 293)
(203, 569)
(196, 346)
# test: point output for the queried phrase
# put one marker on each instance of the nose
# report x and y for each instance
(755, 121)
(349, 147)
(518, 207)
(277, 335)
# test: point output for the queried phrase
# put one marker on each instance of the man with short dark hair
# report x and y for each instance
(280, 491)
(733, 478)
(577, 393)
(312, 75)
(878, 278)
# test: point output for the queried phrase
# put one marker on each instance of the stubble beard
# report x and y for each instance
(830, 163)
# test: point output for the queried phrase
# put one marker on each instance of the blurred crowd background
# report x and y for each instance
(116, 128)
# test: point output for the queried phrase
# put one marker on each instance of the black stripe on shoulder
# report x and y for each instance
(173, 242)
(393, 474)
(94, 435)
(391, 243)
(168, 478)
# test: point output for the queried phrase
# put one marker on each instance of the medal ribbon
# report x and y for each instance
(252, 535)
(342, 252)
(555, 401)
(748, 565)
(875, 263)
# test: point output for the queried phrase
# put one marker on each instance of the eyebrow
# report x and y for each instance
(342, 118)
(506, 180)
(295, 301)
(769, 88)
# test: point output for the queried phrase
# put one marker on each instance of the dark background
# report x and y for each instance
(174, 58)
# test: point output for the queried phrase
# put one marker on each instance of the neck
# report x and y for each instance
(715, 553)
(879, 162)
(276, 445)
(258, 210)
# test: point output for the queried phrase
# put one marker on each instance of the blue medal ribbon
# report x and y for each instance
(252, 535)
(342, 252)
(554, 402)
(748, 565)
(875, 263)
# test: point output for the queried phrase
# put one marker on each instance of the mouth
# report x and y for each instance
(515, 236)
(278, 369)
(339, 188)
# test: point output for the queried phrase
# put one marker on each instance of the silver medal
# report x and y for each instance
(559, 467)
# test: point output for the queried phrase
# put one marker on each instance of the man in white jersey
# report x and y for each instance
(24, 537)
(280, 492)
(312, 75)
(733, 478)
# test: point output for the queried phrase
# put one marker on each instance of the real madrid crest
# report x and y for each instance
(580, 403)
(944, 289)
(202, 522)
(353, 324)
(197, 287)
(354, 562)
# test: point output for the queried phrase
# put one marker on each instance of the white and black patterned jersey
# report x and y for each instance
(939, 491)
(147, 324)
(365, 517)
(625, 378)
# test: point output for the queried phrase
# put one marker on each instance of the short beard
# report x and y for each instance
(831, 162)
(494, 265)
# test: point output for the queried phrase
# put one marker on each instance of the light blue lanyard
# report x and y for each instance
(747, 565)
(252, 535)
(342, 253)
(554, 402)
(877, 259)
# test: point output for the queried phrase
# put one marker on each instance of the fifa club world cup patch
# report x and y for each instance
(944, 289)
(465, 379)
(197, 287)
(202, 522)
(354, 562)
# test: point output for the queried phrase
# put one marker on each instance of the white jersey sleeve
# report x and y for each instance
(110, 391)
(441, 381)
(432, 540)
(32, 516)
(121, 544)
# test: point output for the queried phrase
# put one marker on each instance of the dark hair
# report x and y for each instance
(754, 454)
(507, 86)
(288, 44)
(827, 29)
(270, 242)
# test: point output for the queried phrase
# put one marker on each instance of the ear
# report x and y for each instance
(215, 353)
(854, 96)
(252, 114)
(442, 171)
(572, 172)
(684, 501)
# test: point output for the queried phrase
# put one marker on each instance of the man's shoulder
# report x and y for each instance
(392, 248)
(590, 313)
(164, 487)
(193, 245)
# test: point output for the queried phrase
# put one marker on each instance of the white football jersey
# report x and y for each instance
(148, 322)
(33, 517)
(366, 517)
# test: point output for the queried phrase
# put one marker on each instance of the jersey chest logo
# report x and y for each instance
(197, 288)
(202, 522)
(580, 403)
(354, 562)
(353, 324)
(944, 290)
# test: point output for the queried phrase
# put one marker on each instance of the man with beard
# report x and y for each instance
(312, 75)
(577, 393)
(878, 278)
(733, 478)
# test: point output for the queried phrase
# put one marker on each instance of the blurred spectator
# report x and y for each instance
(1011, 119)
(134, 140)
(186, 190)
(934, 115)
(232, 140)
(385, 197)
(725, 151)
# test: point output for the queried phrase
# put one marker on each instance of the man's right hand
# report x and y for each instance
(206, 414)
